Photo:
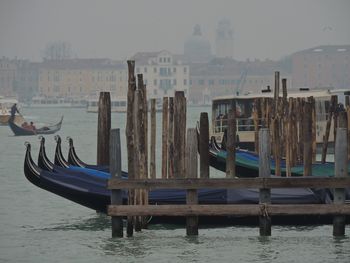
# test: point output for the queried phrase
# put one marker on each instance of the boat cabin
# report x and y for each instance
(244, 109)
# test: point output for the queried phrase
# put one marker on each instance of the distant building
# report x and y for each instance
(225, 76)
(82, 77)
(197, 48)
(163, 72)
(224, 40)
(26, 80)
(7, 76)
(322, 67)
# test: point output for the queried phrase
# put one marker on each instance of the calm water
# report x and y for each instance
(37, 226)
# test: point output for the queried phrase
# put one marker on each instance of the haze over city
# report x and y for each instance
(119, 29)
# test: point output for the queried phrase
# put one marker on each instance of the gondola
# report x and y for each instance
(91, 192)
(247, 162)
(19, 131)
(61, 165)
(73, 159)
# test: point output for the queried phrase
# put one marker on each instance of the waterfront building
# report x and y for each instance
(322, 67)
(225, 76)
(7, 76)
(82, 77)
(163, 72)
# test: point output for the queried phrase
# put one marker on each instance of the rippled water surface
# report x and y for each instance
(37, 226)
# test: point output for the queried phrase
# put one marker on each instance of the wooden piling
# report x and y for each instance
(347, 107)
(328, 128)
(255, 114)
(116, 172)
(313, 128)
(179, 134)
(130, 137)
(204, 145)
(141, 135)
(276, 92)
(231, 144)
(276, 144)
(288, 124)
(153, 140)
(264, 172)
(103, 128)
(340, 171)
(171, 139)
(165, 139)
(307, 137)
(191, 170)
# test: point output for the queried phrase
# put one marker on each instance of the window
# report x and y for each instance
(163, 71)
(185, 69)
(155, 70)
(185, 82)
(168, 60)
(155, 82)
(174, 82)
(154, 92)
(174, 70)
(201, 82)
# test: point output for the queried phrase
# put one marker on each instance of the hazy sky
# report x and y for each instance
(117, 29)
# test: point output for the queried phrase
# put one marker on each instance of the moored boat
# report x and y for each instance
(245, 128)
(90, 191)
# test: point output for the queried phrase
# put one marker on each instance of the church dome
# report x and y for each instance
(196, 47)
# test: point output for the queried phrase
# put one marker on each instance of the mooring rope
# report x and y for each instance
(263, 210)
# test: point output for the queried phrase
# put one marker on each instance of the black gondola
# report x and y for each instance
(73, 159)
(91, 192)
(59, 159)
(50, 129)
(44, 162)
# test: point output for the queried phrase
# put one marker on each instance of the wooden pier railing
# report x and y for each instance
(264, 182)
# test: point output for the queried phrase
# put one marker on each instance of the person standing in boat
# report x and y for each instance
(13, 111)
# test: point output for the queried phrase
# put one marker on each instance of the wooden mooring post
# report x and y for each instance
(191, 169)
(130, 138)
(204, 145)
(347, 107)
(153, 140)
(307, 137)
(165, 139)
(115, 169)
(231, 144)
(340, 171)
(264, 172)
(103, 128)
(328, 128)
(171, 139)
(179, 134)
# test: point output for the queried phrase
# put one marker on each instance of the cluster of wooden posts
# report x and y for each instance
(180, 161)
(292, 124)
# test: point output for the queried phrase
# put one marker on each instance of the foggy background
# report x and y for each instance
(119, 29)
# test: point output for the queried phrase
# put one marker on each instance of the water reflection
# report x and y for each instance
(97, 223)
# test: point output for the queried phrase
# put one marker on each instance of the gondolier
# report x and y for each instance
(13, 111)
